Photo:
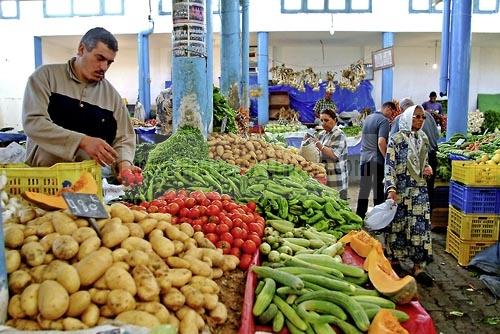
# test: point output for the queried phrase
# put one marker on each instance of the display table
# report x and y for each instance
(419, 322)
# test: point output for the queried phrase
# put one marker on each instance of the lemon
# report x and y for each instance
(496, 157)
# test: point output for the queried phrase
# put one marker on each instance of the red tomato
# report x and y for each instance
(213, 210)
(173, 208)
(213, 195)
(179, 202)
(137, 208)
(158, 202)
(247, 219)
(198, 196)
(204, 219)
(236, 232)
(254, 227)
(245, 261)
(224, 245)
(237, 222)
(227, 237)
(227, 221)
(189, 202)
(239, 210)
(144, 204)
(249, 247)
(225, 197)
(210, 228)
(238, 242)
(197, 222)
(205, 202)
(182, 193)
(170, 195)
(255, 238)
(152, 209)
(260, 220)
(184, 212)
(231, 206)
(203, 210)
(212, 237)
(217, 203)
(174, 220)
(235, 251)
(252, 206)
(213, 219)
(198, 228)
(221, 229)
(162, 209)
(194, 213)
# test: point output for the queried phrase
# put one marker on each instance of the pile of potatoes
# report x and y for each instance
(247, 152)
(142, 271)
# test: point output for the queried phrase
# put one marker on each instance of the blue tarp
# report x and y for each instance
(303, 102)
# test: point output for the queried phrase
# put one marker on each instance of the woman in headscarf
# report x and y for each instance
(408, 237)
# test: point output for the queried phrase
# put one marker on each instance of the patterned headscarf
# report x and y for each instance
(416, 148)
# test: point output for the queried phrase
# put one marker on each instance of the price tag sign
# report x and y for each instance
(459, 142)
(85, 205)
(223, 125)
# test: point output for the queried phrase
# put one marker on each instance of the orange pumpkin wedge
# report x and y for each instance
(386, 323)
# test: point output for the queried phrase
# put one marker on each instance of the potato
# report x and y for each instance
(177, 262)
(179, 277)
(178, 246)
(147, 287)
(30, 231)
(135, 230)
(173, 233)
(139, 215)
(148, 225)
(13, 260)
(15, 309)
(166, 217)
(19, 280)
(71, 324)
(198, 267)
(91, 315)
(99, 297)
(189, 324)
(114, 235)
(93, 266)
(155, 233)
(135, 243)
(49, 324)
(47, 241)
(63, 224)
(162, 225)
(194, 298)
(80, 222)
(162, 246)
(230, 262)
(106, 311)
(163, 283)
(211, 301)
(78, 303)
(202, 241)
(139, 318)
(156, 263)
(219, 314)
(64, 247)
(48, 258)
(44, 229)
(102, 222)
(14, 237)
(204, 284)
(68, 277)
(174, 299)
(83, 233)
(27, 325)
(53, 300)
(187, 229)
(51, 271)
(101, 283)
(37, 273)
(156, 309)
(137, 257)
(217, 273)
(120, 301)
(197, 253)
(29, 300)
(120, 254)
(88, 246)
(119, 210)
(215, 256)
(117, 278)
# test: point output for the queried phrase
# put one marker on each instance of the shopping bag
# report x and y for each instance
(309, 151)
(381, 215)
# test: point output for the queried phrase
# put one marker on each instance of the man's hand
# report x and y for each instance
(98, 150)
(128, 174)
(427, 171)
(392, 195)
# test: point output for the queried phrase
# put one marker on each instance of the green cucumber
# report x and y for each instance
(302, 270)
(265, 297)
(268, 314)
(298, 241)
(281, 226)
(322, 328)
(279, 276)
(289, 313)
(278, 322)
(382, 302)
(259, 287)
(327, 261)
(345, 327)
(294, 261)
(359, 291)
(400, 315)
(356, 280)
(286, 290)
(323, 307)
(328, 283)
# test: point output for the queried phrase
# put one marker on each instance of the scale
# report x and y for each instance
(86, 205)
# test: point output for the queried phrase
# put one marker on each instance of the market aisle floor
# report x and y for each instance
(458, 303)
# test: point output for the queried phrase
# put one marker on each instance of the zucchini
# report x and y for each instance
(323, 307)
(400, 315)
(312, 286)
(357, 280)
(279, 276)
(296, 262)
(322, 328)
(330, 284)
(265, 297)
(286, 290)
(359, 291)
(289, 313)
(291, 299)
(268, 314)
(382, 302)
(348, 303)
(302, 270)
(345, 327)
(293, 329)
(259, 287)
(278, 322)
(327, 261)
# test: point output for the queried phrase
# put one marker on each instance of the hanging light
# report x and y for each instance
(332, 29)
(435, 65)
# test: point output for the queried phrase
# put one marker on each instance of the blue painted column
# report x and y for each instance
(189, 70)
(263, 77)
(458, 101)
(230, 45)
(143, 60)
(245, 49)
(38, 51)
(387, 73)
(209, 38)
(445, 49)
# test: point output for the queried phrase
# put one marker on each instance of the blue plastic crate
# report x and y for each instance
(474, 200)
(460, 157)
(294, 141)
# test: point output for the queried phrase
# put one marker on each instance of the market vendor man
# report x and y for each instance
(72, 113)
(325, 103)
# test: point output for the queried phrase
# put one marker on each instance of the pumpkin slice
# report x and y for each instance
(386, 323)
(85, 184)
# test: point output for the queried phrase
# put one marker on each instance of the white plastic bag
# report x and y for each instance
(381, 215)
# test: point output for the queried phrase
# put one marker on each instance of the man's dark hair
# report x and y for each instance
(433, 94)
(330, 113)
(389, 104)
(98, 34)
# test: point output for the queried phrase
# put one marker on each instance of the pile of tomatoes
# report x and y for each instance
(235, 228)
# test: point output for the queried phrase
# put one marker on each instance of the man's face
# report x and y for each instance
(433, 98)
(328, 95)
(94, 64)
(387, 111)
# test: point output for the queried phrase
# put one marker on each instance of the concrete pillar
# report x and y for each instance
(144, 78)
(445, 49)
(263, 77)
(245, 49)
(189, 69)
(210, 62)
(458, 101)
(230, 46)
(387, 73)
